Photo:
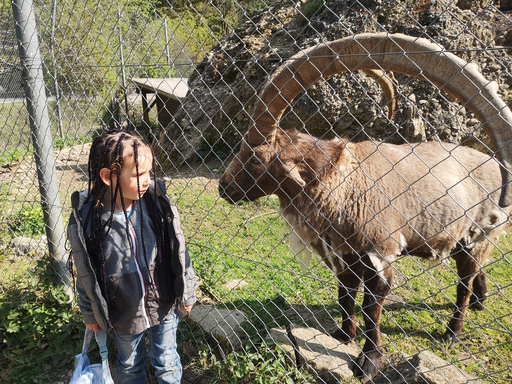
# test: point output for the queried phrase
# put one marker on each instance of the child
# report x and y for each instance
(129, 253)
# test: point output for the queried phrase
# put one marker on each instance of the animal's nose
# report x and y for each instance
(223, 184)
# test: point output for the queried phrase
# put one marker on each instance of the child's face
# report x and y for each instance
(129, 176)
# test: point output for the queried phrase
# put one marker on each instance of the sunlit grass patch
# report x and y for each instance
(427, 301)
(249, 242)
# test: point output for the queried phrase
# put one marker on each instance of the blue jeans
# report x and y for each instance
(163, 354)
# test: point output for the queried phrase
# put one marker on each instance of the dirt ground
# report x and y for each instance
(71, 168)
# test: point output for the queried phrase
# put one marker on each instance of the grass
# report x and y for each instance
(40, 331)
(15, 132)
(15, 135)
(248, 242)
(241, 242)
(428, 296)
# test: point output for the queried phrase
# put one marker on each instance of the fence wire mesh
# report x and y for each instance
(187, 75)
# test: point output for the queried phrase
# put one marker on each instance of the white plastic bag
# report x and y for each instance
(85, 373)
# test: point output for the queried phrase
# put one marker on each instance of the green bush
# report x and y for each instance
(314, 8)
(13, 155)
(29, 221)
(265, 364)
(40, 330)
(209, 148)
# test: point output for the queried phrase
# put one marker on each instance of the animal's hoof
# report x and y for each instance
(450, 337)
(476, 303)
(341, 336)
(367, 365)
(478, 306)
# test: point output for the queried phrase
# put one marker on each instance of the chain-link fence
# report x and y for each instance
(356, 176)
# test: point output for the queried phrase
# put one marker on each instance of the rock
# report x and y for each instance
(414, 127)
(323, 356)
(235, 284)
(222, 324)
(9, 167)
(330, 361)
(424, 368)
(216, 112)
(25, 245)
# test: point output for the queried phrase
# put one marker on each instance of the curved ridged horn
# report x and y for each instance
(412, 56)
(389, 85)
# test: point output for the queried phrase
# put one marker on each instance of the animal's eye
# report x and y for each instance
(255, 161)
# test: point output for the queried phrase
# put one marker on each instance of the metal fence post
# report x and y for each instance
(37, 105)
(54, 64)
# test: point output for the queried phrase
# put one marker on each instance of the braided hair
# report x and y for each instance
(107, 152)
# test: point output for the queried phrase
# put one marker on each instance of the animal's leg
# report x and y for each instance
(467, 269)
(479, 292)
(349, 282)
(378, 278)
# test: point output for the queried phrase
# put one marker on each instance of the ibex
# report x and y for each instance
(360, 205)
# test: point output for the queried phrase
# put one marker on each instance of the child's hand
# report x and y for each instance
(94, 327)
(186, 309)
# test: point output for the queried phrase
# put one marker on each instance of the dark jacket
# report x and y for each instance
(135, 305)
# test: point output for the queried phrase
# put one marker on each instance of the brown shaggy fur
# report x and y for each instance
(360, 205)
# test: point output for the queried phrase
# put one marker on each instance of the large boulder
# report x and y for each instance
(331, 362)
(224, 86)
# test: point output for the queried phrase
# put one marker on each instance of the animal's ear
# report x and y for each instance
(292, 169)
